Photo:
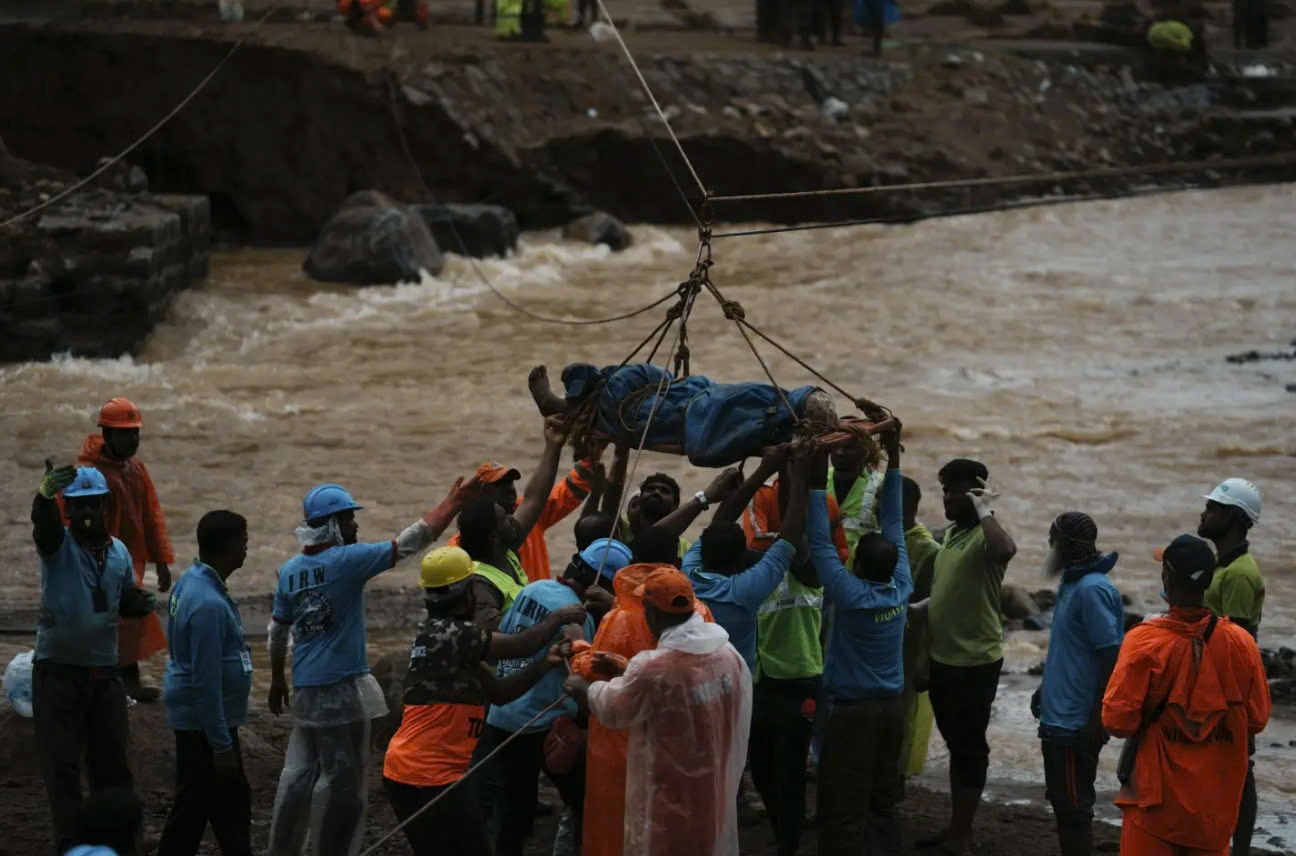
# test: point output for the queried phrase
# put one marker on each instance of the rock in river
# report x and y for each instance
(599, 228)
(484, 230)
(372, 240)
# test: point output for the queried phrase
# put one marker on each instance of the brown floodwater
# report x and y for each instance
(1078, 350)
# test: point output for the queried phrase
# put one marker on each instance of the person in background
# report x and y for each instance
(921, 548)
(855, 491)
(687, 706)
(1088, 626)
(966, 638)
(859, 776)
(658, 499)
(1237, 593)
(208, 680)
(110, 823)
(134, 517)
(320, 598)
(87, 581)
(449, 684)
(485, 533)
(763, 517)
(1189, 688)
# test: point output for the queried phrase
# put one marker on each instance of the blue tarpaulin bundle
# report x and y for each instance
(714, 424)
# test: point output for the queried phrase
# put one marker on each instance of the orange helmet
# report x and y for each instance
(120, 413)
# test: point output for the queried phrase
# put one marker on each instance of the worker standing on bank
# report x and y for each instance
(134, 517)
(208, 680)
(1189, 689)
(87, 583)
(320, 599)
(1237, 593)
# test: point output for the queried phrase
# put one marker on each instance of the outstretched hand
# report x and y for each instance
(723, 485)
(56, 479)
(775, 457)
(555, 430)
(463, 492)
(983, 498)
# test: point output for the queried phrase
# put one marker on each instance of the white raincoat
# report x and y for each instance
(687, 705)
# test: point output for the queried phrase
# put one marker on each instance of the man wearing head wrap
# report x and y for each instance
(1085, 638)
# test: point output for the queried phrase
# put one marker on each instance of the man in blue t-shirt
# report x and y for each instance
(1088, 627)
(859, 771)
(87, 582)
(320, 598)
(509, 785)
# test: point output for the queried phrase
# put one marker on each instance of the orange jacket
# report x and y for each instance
(1192, 764)
(565, 498)
(135, 518)
(761, 520)
(623, 631)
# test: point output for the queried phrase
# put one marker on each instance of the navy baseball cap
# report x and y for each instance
(1190, 560)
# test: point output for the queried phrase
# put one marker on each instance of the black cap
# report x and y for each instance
(1190, 560)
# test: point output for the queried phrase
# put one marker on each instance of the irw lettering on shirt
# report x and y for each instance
(712, 690)
(307, 578)
(888, 614)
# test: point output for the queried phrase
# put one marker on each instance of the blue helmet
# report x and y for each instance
(325, 500)
(89, 482)
(606, 556)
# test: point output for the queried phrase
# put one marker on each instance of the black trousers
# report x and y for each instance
(1069, 773)
(961, 698)
(205, 796)
(780, 740)
(859, 777)
(79, 712)
(453, 827)
(509, 787)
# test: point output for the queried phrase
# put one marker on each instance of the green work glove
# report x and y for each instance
(56, 480)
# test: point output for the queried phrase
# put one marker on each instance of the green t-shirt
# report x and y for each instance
(922, 549)
(858, 509)
(787, 632)
(1237, 591)
(966, 624)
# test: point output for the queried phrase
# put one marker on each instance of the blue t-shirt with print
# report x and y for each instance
(533, 605)
(321, 594)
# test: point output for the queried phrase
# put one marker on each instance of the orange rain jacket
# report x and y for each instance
(135, 518)
(565, 498)
(761, 520)
(623, 631)
(1192, 764)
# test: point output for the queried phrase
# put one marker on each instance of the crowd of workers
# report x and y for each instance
(814, 622)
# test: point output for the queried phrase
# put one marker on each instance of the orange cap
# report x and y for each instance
(491, 472)
(120, 413)
(667, 590)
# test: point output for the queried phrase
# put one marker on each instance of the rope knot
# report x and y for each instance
(733, 310)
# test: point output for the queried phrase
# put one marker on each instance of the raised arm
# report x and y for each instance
(793, 528)
(47, 520)
(682, 518)
(732, 508)
(420, 534)
(616, 480)
(537, 490)
(598, 486)
(891, 513)
(999, 544)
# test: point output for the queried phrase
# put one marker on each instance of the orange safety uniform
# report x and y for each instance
(566, 496)
(134, 517)
(624, 632)
(762, 520)
(1186, 786)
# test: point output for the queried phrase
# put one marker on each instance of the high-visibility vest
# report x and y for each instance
(507, 584)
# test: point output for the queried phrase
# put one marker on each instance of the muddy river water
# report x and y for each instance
(1077, 350)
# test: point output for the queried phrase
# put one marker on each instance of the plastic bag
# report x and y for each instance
(18, 683)
(354, 699)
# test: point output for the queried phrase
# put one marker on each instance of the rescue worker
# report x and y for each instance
(966, 638)
(859, 774)
(449, 684)
(717, 564)
(510, 782)
(135, 518)
(543, 503)
(855, 490)
(87, 582)
(763, 517)
(658, 498)
(687, 705)
(921, 548)
(321, 599)
(1237, 593)
(485, 532)
(1084, 639)
(1188, 690)
(208, 680)
(370, 17)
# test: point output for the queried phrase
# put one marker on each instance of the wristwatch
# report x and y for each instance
(701, 497)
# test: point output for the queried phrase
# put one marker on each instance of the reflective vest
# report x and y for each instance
(858, 509)
(507, 584)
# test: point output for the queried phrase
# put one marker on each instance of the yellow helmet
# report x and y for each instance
(444, 567)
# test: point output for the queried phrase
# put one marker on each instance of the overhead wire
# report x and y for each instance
(113, 161)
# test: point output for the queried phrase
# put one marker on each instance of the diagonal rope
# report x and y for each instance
(651, 97)
(113, 161)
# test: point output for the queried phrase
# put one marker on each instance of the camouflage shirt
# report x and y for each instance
(445, 663)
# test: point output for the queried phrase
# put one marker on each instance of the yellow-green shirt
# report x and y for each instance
(1237, 591)
(965, 621)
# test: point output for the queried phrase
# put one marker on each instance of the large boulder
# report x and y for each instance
(478, 231)
(599, 228)
(373, 241)
(1016, 602)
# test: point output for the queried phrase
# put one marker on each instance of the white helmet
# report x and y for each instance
(1240, 493)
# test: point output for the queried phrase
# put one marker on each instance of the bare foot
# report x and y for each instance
(545, 399)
